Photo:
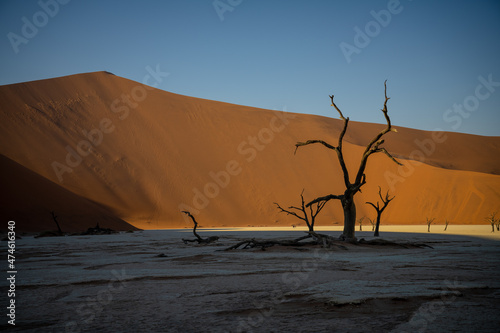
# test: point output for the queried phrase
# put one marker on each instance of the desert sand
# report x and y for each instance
(150, 281)
(97, 147)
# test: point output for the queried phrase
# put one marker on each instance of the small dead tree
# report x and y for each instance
(54, 217)
(429, 222)
(310, 217)
(198, 239)
(492, 220)
(498, 225)
(360, 221)
(446, 222)
(385, 201)
(347, 198)
(372, 222)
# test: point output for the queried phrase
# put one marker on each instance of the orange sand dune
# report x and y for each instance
(146, 154)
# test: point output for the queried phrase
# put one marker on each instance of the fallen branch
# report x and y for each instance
(322, 240)
(97, 230)
(383, 242)
(317, 239)
(263, 244)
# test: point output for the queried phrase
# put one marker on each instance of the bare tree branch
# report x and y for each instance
(383, 150)
(376, 207)
(289, 212)
(375, 140)
(319, 207)
(309, 142)
(338, 149)
(335, 106)
(325, 199)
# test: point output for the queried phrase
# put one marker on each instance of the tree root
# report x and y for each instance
(200, 240)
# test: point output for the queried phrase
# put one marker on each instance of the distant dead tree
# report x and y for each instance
(372, 222)
(54, 217)
(492, 220)
(308, 217)
(446, 222)
(498, 224)
(360, 221)
(374, 146)
(385, 201)
(198, 239)
(429, 222)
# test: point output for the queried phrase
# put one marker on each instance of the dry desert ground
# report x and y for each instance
(150, 281)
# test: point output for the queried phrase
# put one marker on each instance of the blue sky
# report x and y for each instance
(438, 56)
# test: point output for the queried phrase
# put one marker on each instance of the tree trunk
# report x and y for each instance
(349, 218)
(376, 234)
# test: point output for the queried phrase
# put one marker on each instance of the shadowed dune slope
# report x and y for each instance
(145, 154)
(28, 199)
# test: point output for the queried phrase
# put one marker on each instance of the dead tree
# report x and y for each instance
(360, 221)
(498, 225)
(446, 222)
(54, 217)
(198, 238)
(347, 198)
(492, 220)
(380, 210)
(429, 222)
(372, 222)
(308, 218)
